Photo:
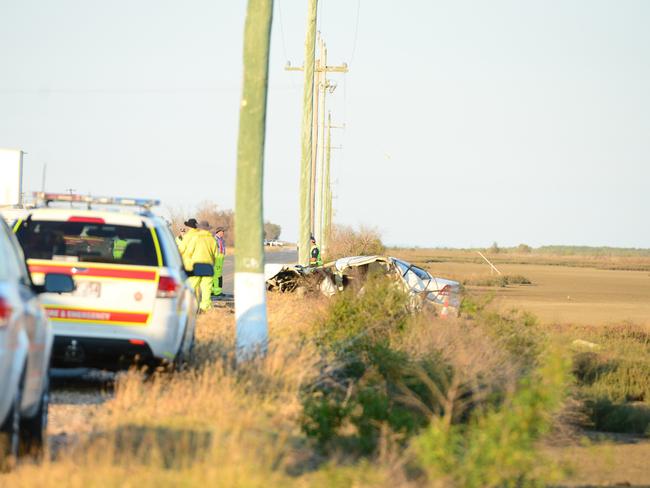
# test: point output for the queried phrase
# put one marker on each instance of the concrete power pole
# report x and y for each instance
(314, 79)
(326, 188)
(315, 134)
(326, 191)
(250, 287)
(307, 122)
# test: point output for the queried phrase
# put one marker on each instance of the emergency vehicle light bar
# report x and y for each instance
(73, 198)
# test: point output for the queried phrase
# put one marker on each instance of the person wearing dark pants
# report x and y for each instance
(217, 280)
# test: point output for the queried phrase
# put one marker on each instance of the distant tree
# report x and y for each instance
(524, 249)
(272, 231)
(176, 217)
(494, 248)
(217, 218)
(346, 241)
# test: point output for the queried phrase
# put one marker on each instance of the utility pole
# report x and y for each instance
(250, 287)
(318, 81)
(43, 177)
(315, 80)
(326, 188)
(71, 192)
(307, 122)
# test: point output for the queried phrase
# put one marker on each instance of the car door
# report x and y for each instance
(187, 304)
(13, 339)
(36, 326)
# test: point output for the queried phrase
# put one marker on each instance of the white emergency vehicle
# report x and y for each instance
(132, 301)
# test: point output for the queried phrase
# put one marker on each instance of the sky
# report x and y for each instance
(466, 122)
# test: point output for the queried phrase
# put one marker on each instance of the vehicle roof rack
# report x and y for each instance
(47, 198)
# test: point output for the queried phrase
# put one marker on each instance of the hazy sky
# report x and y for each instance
(467, 122)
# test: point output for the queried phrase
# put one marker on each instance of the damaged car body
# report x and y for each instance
(336, 276)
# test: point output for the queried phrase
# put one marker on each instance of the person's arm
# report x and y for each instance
(215, 250)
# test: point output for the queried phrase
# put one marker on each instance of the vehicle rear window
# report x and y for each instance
(87, 242)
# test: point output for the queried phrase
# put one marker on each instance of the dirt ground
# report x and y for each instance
(563, 294)
(578, 295)
(559, 295)
(604, 460)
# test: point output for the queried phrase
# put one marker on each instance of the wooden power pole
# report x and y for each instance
(250, 287)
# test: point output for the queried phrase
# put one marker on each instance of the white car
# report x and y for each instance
(273, 243)
(335, 276)
(132, 301)
(25, 347)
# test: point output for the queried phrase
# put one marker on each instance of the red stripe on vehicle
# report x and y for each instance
(96, 315)
(97, 272)
(87, 220)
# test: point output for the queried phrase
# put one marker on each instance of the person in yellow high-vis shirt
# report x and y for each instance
(201, 247)
(185, 240)
(119, 246)
(217, 278)
(315, 258)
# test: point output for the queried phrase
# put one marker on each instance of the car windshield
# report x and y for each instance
(87, 242)
(422, 274)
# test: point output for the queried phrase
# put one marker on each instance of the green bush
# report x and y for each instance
(369, 382)
(622, 417)
(615, 384)
(497, 446)
(518, 332)
(499, 281)
(372, 381)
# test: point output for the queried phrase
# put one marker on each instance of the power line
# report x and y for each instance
(129, 91)
(356, 32)
(320, 15)
(284, 46)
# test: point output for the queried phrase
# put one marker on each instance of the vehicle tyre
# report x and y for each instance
(33, 431)
(190, 352)
(181, 359)
(10, 434)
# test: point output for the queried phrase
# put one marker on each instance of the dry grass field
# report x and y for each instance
(354, 392)
(574, 297)
(582, 290)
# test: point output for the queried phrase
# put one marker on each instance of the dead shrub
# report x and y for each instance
(218, 218)
(346, 241)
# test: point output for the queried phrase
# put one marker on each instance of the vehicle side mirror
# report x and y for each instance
(202, 269)
(58, 283)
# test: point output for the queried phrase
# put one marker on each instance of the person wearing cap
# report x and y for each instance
(201, 248)
(217, 278)
(315, 258)
(183, 241)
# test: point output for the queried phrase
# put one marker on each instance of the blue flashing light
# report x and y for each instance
(124, 201)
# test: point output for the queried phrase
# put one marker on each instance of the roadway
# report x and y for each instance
(283, 256)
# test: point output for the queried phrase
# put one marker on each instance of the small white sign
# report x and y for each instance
(11, 181)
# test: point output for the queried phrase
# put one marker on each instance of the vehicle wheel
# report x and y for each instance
(33, 431)
(181, 359)
(10, 434)
(190, 351)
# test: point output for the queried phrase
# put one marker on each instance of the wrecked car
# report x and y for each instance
(336, 276)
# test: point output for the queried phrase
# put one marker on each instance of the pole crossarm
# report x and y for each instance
(343, 68)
